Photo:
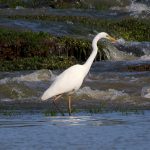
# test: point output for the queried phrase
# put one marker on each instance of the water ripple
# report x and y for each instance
(84, 121)
(61, 121)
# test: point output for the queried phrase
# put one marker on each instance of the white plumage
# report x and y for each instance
(68, 81)
(72, 78)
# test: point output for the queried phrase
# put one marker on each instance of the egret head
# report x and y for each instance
(106, 36)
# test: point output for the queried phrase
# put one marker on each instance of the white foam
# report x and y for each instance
(39, 75)
(147, 95)
(110, 94)
(121, 41)
(6, 100)
(145, 92)
(137, 8)
(36, 76)
(4, 81)
(145, 57)
(19, 7)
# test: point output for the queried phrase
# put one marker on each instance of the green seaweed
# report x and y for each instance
(26, 50)
(30, 51)
(50, 112)
(34, 63)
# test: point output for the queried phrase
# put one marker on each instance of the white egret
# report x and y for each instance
(71, 79)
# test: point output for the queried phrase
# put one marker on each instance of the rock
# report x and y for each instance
(145, 92)
(19, 7)
(4, 6)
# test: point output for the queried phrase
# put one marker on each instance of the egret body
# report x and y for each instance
(72, 78)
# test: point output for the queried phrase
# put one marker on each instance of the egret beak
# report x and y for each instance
(113, 40)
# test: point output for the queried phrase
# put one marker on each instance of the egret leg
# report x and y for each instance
(56, 98)
(69, 105)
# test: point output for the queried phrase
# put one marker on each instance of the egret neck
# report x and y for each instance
(90, 60)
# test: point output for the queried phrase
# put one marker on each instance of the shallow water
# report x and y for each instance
(80, 131)
(134, 9)
(52, 27)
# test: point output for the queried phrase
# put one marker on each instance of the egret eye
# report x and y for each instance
(107, 36)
